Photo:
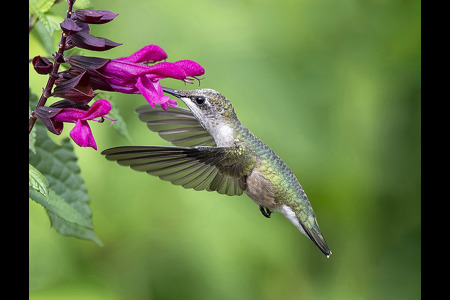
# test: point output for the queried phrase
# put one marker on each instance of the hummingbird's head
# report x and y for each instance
(204, 102)
(213, 110)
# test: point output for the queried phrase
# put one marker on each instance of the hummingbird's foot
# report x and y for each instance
(265, 211)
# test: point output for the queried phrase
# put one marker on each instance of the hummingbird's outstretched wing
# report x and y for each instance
(201, 168)
(176, 125)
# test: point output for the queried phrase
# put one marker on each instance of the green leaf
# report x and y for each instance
(60, 208)
(32, 98)
(58, 163)
(31, 136)
(32, 140)
(119, 123)
(40, 6)
(37, 181)
(50, 21)
(44, 37)
(83, 4)
(32, 102)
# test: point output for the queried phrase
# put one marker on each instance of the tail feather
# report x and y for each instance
(317, 238)
(313, 233)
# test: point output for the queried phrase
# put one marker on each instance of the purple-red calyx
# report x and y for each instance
(93, 16)
(133, 74)
(42, 65)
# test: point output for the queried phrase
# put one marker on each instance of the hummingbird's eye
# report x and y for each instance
(199, 100)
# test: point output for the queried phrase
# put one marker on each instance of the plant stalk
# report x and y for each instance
(51, 79)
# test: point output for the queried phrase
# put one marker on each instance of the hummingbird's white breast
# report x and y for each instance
(290, 215)
(223, 135)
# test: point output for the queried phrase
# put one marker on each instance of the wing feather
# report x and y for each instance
(176, 125)
(200, 168)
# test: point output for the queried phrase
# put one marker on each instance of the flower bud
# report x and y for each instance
(69, 27)
(84, 40)
(42, 65)
(93, 16)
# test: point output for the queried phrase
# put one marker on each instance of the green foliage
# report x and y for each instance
(40, 7)
(55, 182)
(50, 21)
(37, 181)
(119, 123)
(59, 187)
(32, 136)
(62, 214)
(83, 4)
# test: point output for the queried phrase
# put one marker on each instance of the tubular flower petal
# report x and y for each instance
(191, 68)
(132, 75)
(149, 53)
(81, 133)
(152, 91)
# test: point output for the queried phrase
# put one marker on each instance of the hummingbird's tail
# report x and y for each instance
(312, 231)
(317, 238)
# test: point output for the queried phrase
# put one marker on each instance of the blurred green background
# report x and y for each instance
(333, 87)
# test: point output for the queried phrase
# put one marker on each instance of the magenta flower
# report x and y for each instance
(133, 75)
(81, 134)
(74, 112)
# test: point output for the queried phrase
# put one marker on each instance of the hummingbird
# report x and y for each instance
(213, 151)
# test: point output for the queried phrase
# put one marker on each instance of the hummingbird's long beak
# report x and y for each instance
(172, 92)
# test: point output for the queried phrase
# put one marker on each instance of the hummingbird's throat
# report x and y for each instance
(223, 135)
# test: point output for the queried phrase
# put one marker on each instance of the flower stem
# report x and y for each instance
(51, 79)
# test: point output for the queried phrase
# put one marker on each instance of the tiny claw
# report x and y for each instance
(265, 211)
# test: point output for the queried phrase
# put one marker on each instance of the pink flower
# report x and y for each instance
(133, 74)
(54, 117)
